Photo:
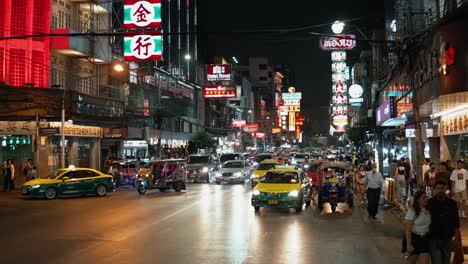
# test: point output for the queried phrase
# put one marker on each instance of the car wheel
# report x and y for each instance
(178, 187)
(141, 189)
(101, 191)
(301, 203)
(50, 193)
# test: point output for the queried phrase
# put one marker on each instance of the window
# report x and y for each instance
(37, 69)
(18, 17)
(17, 66)
(85, 174)
(262, 66)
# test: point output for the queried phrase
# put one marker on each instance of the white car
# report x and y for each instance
(233, 171)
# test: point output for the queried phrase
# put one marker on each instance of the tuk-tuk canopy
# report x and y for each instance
(336, 164)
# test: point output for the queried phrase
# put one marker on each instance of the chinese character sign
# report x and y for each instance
(142, 47)
(142, 14)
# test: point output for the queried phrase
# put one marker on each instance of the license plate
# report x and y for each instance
(272, 201)
(334, 180)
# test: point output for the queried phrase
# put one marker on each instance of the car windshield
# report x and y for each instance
(55, 173)
(280, 178)
(226, 157)
(237, 164)
(301, 156)
(265, 166)
(198, 159)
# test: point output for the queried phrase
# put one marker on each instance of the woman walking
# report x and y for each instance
(360, 183)
(417, 223)
(400, 178)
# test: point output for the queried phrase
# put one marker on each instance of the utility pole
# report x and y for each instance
(62, 131)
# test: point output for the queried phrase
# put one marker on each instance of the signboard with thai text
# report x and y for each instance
(250, 128)
(342, 42)
(291, 96)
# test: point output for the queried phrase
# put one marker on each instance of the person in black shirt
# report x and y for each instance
(445, 224)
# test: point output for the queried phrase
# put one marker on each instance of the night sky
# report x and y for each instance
(299, 49)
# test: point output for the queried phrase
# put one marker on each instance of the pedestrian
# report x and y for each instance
(417, 224)
(400, 179)
(430, 178)
(445, 224)
(425, 166)
(459, 178)
(359, 176)
(449, 166)
(374, 182)
(9, 176)
(34, 173)
(444, 174)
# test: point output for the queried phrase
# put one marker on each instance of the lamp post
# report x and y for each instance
(62, 132)
(188, 58)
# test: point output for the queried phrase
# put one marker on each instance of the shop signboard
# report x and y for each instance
(142, 13)
(298, 132)
(238, 123)
(260, 135)
(411, 132)
(78, 131)
(338, 66)
(292, 121)
(339, 87)
(294, 108)
(342, 42)
(17, 128)
(339, 98)
(218, 72)
(135, 144)
(276, 130)
(142, 47)
(292, 96)
(292, 102)
(339, 110)
(454, 124)
(355, 93)
(385, 111)
(219, 91)
(339, 55)
(403, 107)
(252, 128)
(339, 77)
(340, 120)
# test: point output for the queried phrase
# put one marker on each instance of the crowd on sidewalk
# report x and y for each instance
(9, 173)
(432, 221)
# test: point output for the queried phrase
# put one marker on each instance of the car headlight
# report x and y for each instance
(306, 166)
(255, 192)
(255, 176)
(238, 174)
(205, 169)
(36, 186)
(293, 162)
(294, 193)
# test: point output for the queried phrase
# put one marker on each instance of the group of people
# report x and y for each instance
(29, 172)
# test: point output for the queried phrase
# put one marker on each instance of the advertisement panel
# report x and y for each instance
(142, 14)
(292, 121)
(238, 123)
(253, 128)
(292, 96)
(218, 72)
(276, 130)
(291, 102)
(385, 111)
(342, 42)
(260, 135)
(338, 55)
(218, 91)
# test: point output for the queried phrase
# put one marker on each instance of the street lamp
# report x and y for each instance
(119, 67)
(338, 27)
(187, 57)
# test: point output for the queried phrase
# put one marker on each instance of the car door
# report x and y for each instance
(85, 181)
(70, 185)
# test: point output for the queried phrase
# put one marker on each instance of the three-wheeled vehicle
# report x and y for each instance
(162, 175)
(335, 185)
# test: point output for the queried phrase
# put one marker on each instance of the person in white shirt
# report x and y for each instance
(417, 224)
(459, 177)
(425, 166)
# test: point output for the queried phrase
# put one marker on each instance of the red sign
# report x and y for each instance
(215, 91)
(450, 56)
(251, 128)
(298, 132)
(238, 123)
(218, 72)
(146, 111)
(342, 42)
(260, 135)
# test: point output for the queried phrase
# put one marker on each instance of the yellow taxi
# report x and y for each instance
(69, 182)
(261, 170)
(282, 187)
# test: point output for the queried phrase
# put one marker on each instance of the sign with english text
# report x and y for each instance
(218, 72)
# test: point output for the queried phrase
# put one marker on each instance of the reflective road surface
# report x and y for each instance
(208, 224)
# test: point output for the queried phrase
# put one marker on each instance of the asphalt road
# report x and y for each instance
(208, 224)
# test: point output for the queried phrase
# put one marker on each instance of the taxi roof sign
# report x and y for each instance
(285, 167)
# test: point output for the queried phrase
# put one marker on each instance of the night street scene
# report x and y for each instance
(243, 132)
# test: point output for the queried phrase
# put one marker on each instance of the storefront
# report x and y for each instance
(82, 146)
(453, 128)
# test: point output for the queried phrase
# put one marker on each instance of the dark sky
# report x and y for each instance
(299, 50)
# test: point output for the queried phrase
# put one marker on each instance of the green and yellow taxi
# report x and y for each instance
(69, 182)
(282, 187)
(261, 170)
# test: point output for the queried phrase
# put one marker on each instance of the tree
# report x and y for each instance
(204, 140)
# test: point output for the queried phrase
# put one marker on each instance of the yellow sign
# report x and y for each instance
(17, 128)
(276, 130)
(454, 124)
(294, 108)
(291, 89)
(292, 121)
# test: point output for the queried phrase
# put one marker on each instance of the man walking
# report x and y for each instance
(374, 181)
(444, 174)
(459, 178)
(445, 224)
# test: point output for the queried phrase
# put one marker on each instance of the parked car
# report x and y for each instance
(69, 182)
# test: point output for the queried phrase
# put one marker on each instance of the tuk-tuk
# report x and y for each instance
(335, 185)
(162, 175)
